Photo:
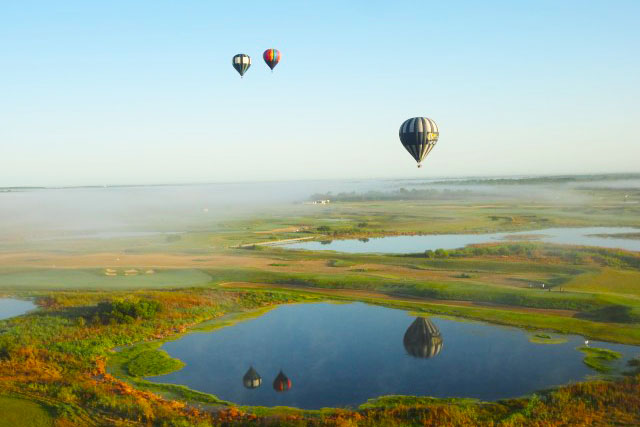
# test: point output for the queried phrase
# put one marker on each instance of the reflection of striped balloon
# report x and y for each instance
(422, 338)
(271, 57)
(241, 63)
(252, 379)
(419, 135)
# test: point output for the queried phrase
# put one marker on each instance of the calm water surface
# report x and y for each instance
(10, 307)
(344, 354)
(587, 236)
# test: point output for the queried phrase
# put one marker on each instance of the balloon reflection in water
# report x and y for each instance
(422, 339)
(282, 382)
(252, 379)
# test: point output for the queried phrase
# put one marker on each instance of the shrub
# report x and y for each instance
(126, 311)
(441, 253)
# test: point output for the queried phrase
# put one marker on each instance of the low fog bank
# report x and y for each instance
(33, 214)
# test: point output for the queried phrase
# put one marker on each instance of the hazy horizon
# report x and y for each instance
(347, 179)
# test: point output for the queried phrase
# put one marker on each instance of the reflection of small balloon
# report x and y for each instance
(271, 57)
(252, 379)
(419, 135)
(241, 63)
(282, 382)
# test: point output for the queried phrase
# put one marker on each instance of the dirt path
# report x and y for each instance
(292, 229)
(355, 293)
(277, 242)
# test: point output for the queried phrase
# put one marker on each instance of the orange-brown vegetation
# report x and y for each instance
(57, 357)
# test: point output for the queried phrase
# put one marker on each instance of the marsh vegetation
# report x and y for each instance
(83, 357)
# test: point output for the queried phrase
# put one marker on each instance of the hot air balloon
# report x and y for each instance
(252, 379)
(271, 57)
(419, 135)
(282, 382)
(422, 339)
(241, 63)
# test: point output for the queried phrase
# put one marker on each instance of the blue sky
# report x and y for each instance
(144, 92)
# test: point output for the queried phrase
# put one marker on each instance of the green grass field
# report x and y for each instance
(608, 280)
(15, 412)
(41, 278)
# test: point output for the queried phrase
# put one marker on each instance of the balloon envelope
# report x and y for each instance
(241, 63)
(271, 57)
(419, 135)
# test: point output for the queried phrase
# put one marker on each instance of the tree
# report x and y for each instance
(441, 253)
(126, 311)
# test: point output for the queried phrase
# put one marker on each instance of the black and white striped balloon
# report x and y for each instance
(241, 63)
(419, 135)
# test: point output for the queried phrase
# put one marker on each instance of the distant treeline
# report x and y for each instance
(580, 255)
(559, 179)
(9, 189)
(401, 194)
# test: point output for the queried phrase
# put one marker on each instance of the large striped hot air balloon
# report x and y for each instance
(241, 63)
(419, 135)
(271, 57)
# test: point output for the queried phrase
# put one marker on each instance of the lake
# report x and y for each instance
(587, 236)
(335, 355)
(10, 307)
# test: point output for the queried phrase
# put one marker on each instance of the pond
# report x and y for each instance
(588, 236)
(10, 307)
(335, 355)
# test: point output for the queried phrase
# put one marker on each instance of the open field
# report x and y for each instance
(66, 278)
(21, 412)
(58, 356)
(625, 282)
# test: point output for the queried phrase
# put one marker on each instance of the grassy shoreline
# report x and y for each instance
(117, 363)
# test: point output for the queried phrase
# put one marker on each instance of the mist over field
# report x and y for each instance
(45, 213)
(49, 212)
